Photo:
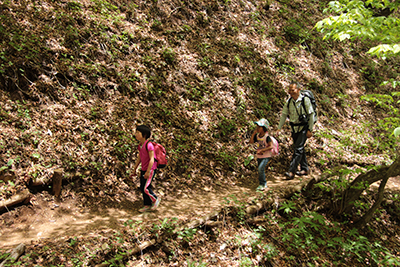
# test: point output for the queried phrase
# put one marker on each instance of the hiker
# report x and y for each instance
(147, 159)
(301, 118)
(264, 141)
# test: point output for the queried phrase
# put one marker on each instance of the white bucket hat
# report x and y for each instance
(262, 122)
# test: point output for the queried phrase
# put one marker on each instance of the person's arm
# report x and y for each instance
(252, 138)
(282, 121)
(285, 112)
(135, 168)
(151, 162)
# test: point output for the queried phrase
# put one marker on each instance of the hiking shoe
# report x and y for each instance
(289, 175)
(301, 173)
(261, 187)
(155, 205)
(144, 209)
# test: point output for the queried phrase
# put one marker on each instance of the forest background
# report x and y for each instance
(78, 76)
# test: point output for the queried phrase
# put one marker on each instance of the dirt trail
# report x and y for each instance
(46, 219)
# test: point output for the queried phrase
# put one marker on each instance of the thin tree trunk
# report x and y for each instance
(393, 171)
(370, 213)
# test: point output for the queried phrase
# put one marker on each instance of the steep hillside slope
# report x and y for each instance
(77, 77)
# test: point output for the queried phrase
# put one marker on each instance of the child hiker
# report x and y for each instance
(260, 135)
(148, 171)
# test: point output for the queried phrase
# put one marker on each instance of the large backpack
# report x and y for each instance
(160, 155)
(310, 95)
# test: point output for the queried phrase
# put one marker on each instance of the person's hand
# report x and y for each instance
(309, 134)
(146, 175)
(134, 174)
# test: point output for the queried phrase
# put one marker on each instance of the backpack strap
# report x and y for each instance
(147, 143)
(304, 107)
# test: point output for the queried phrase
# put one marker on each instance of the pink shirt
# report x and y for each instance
(144, 155)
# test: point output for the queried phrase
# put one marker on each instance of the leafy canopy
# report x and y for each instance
(373, 20)
(370, 19)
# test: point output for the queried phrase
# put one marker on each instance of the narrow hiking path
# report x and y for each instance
(45, 218)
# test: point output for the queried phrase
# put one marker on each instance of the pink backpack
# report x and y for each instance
(160, 155)
(275, 146)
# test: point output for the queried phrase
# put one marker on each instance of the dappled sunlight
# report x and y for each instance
(66, 220)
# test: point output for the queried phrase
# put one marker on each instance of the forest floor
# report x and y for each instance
(199, 73)
(46, 218)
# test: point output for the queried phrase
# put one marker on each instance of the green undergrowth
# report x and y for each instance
(79, 76)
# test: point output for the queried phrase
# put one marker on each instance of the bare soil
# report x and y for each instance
(45, 218)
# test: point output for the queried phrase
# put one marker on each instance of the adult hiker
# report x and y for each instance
(301, 118)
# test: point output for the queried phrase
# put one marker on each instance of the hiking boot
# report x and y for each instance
(155, 205)
(289, 175)
(302, 173)
(144, 209)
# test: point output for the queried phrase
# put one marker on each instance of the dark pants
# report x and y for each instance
(299, 153)
(147, 189)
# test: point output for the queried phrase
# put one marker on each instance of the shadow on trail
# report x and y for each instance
(47, 219)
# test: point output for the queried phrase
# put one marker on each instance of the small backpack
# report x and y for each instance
(275, 147)
(160, 155)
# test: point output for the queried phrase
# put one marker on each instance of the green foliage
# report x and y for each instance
(167, 226)
(75, 6)
(191, 263)
(288, 206)
(314, 233)
(248, 160)
(187, 234)
(169, 56)
(227, 158)
(226, 127)
(295, 31)
(391, 123)
(358, 20)
(396, 132)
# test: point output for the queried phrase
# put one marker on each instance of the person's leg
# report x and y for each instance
(146, 198)
(299, 139)
(148, 189)
(262, 163)
(303, 162)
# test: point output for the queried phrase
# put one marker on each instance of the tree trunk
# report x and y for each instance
(57, 183)
(362, 182)
(14, 200)
(394, 170)
(353, 192)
